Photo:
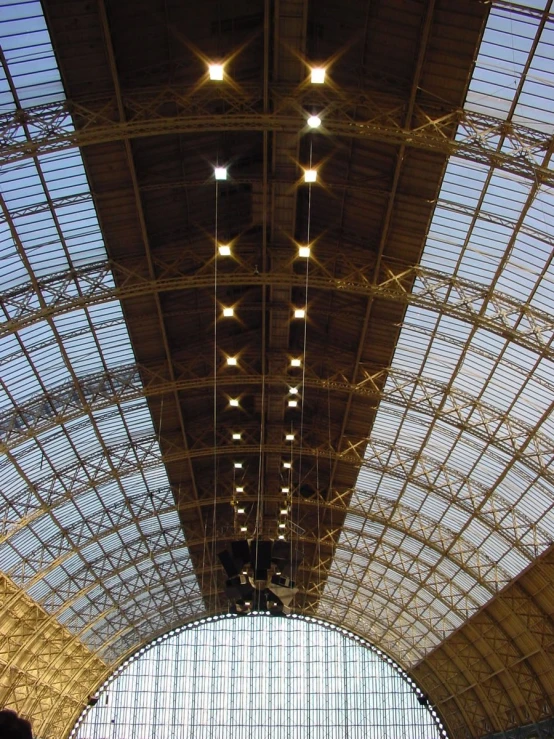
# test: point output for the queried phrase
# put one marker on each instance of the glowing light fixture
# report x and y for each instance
(216, 72)
(228, 312)
(280, 536)
(310, 175)
(237, 436)
(287, 465)
(317, 75)
(239, 490)
(314, 121)
(295, 362)
(234, 402)
(284, 511)
(220, 173)
(224, 250)
(293, 390)
(298, 313)
(289, 437)
(304, 251)
(232, 361)
(282, 525)
(243, 529)
(238, 465)
(285, 490)
(240, 510)
(293, 403)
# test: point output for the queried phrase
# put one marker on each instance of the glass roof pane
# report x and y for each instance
(75, 495)
(463, 437)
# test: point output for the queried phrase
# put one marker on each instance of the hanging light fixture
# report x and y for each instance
(256, 581)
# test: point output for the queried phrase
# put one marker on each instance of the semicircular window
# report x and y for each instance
(256, 677)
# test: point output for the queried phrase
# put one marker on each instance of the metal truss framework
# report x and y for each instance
(453, 407)
(53, 490)
(463, 299)
(354, 113)
(511, 641)
(471, 690)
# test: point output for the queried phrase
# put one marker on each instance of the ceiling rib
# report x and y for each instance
(84, 123)
(450, 405)
(522, 323)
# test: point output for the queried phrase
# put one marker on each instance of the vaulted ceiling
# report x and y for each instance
(420, 487)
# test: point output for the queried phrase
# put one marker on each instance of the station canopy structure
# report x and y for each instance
(279, 270)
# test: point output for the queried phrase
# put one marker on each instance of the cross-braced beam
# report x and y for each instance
(350, 113)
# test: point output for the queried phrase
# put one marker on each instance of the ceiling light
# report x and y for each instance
(239, 490)
(221, 173)
(285, 490)
(224, 250)
(314, 121)
(293, 390)
(216, 72)
(298, 312)
(282, 525)
(295, 362)
(289, 437)
(287, 465)
(232, 361)
(304, 251)
(284, 511)
(228, 312)
(240, 510)
(236, 437)
(317, 75)
(310, 175)
(243, 528)
(238, 465)
(234, 402)
(293, 403)
(280, 536)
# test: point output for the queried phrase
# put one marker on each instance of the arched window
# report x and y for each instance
(259, 677)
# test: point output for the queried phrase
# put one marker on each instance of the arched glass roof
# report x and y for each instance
(469, 455)
(87, 515)
(455, 493)
(260, 676)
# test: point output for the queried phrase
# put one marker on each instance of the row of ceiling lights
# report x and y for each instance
(229, 312)
(216, 72)
(304, 251)
(284, 508)
(310, 174)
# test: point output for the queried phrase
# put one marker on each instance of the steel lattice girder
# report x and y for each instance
(351, 113)
(64, 545)
(425, 395)
(432, 290)
(404, 464)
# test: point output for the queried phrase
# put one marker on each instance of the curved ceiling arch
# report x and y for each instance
(93, 570)
(144, 454)
(137, 598)
(83, 123)
(452, 406)
(460, 298)
(385, 514)
(464, 472)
